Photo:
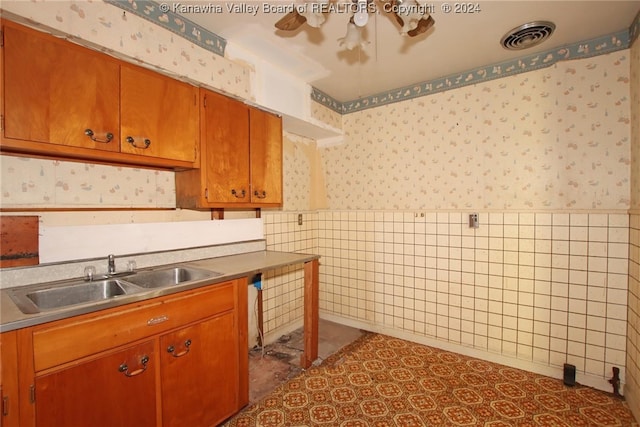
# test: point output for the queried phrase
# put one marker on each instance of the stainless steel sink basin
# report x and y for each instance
(170, 276)
(34, 300)
(76, 292)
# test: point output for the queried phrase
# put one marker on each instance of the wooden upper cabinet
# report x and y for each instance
(241, 157)
(159, 115)
(66, 101)
(225, 131)
(266, 157)
(59, 93)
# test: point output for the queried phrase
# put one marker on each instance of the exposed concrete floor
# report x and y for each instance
(280, 361)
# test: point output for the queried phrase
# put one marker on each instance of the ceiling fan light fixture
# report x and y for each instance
(410, 15)
(314, 20)
(313, 12)
(353, 38)
(415, 18)
(409, 25)
(361, 16)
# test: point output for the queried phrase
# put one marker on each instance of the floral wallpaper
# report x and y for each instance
(126, 35)
(523, 64)
(303, 177)
(635, 125)
(296, 177)
(326, 115)
(556, 138)
(40, 183)
(632, 388)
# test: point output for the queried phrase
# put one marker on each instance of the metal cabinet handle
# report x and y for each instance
(239, 195)
(131, 140)
(5, 407)
(125, 369)
(187, 346)
(91, 135)
(157, 320)
(260, 195)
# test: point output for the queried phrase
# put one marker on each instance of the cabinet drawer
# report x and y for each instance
(66, 340)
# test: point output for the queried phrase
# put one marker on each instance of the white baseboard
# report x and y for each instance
(550, 371)
(633, 400)
(272, 336)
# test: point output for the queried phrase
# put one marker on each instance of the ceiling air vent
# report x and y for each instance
(527, 35)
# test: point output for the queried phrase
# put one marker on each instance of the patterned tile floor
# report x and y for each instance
(382, 381)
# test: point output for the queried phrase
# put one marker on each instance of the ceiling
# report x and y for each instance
(457, 42)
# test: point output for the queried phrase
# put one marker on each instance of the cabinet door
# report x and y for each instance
(57, 92)
(9, 416)
(200, 373)
(117, 389)
(225, 149)
(266, 157)
(159, 115)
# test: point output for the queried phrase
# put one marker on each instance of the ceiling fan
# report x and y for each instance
(414, 18)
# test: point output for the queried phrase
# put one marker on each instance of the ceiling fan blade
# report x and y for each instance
(398, 19)
(394, 6)
(291, 21)
(423, 25)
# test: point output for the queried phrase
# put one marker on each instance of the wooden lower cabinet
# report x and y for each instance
(199, 365)
(9, 408)
(116, 389)
(177, 360)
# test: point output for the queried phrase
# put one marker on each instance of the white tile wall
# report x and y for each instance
(632, 389)
(283, 289)
(542, 287)
(633, 311)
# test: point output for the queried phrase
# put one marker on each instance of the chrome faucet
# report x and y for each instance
(111, 269)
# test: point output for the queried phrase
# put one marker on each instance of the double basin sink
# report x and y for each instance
(46, 297)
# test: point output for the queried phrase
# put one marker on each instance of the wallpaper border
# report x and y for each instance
(598, 46)
(152, 11)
